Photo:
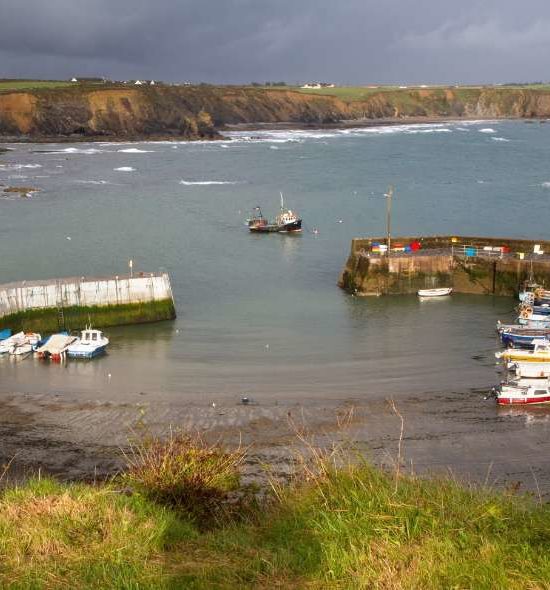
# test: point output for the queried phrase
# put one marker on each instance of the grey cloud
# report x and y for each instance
(353, 41)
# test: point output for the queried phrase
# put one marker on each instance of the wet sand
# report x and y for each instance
(457, 433)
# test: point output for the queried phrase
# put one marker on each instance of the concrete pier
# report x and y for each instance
(469, 264)
(71, 303)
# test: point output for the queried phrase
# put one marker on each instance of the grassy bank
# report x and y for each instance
(346, 527)
(47, 321)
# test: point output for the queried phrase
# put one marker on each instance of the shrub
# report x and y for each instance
(185, 473)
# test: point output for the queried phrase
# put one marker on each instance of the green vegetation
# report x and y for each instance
(9, 85)
(337, 525)
(47, 321)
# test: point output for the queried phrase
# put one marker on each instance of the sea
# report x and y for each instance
(262, 315)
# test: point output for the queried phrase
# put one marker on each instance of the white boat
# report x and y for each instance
(530, 370)
(19, 343)
(441, 292)
(522, 392)
(90, 344)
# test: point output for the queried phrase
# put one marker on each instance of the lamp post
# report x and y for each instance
(388, 196)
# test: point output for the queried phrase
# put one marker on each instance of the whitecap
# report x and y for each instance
(19, 166)
(81, 151)
(273, 147)
(92, 182)
(206, 182)
(545, 185)
(499, 139)
(135, 151)
(487, 130)
(124, 169)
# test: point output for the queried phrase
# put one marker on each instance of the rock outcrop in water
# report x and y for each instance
(201, 111)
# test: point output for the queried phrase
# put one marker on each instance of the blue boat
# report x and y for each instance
(523, 337)
(5, 334)
(91, 343)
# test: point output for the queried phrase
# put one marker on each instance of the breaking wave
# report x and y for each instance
(135, 151)
(92, 182)
(499, 139)
(124, 169)
(72, 150)
(487, 130)
(206, 182)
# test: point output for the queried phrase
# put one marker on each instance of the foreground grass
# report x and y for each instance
(355, 527)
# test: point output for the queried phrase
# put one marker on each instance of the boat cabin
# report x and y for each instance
(90, 336)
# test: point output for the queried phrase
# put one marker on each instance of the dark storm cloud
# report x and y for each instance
(354, 41)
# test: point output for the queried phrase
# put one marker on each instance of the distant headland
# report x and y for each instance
(95, 109)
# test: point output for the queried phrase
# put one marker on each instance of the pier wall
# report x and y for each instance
(74, 302)
(446, 261)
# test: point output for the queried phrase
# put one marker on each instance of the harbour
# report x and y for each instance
(253, 308)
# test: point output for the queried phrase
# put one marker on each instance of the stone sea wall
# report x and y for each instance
(468, 264)
(71, 303)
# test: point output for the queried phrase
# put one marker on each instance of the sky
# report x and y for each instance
(241, 41)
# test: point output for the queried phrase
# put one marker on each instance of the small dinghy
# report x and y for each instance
(441, 292)
(91, 343)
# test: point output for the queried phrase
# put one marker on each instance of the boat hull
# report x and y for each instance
(270, 228)
(86, 354)
(443, 292)
(506, 400)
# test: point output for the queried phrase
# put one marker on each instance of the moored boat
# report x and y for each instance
(530, 370)
(441, 292)
(5, 334)
(55, 347)
(19, 344)
(540, 353)
(91, 343)
(519, 392)
(523, 336)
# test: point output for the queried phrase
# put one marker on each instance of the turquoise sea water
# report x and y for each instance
(263, 314)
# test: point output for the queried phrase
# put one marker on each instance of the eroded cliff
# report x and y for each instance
(201, 111)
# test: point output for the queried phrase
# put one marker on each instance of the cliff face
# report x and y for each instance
(199, 112)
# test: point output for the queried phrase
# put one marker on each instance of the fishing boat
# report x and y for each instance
(91, 343)
(520, 392)
(286, 222)
(540, 353)
(441, 292)
(523, 336)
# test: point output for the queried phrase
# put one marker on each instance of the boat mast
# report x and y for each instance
(388, 196)
(282, 202)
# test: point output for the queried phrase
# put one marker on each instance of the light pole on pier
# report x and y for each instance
(388, 196)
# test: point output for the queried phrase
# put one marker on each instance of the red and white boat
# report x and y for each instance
(523, 392)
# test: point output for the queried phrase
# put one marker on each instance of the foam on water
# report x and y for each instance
(92, 182)
(500, 139)
(135, 151)
(206, 182)
(124, 169)
(72, 150)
